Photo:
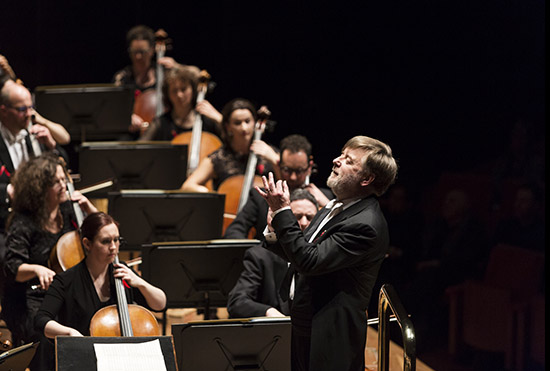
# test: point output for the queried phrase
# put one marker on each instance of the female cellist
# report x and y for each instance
(78, 293)
(179, 94)
(142, 75)
(238, 124)
(41, 214)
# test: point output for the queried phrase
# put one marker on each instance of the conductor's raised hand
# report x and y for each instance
(276, 194)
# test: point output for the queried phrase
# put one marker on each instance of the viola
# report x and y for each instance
(123, 319)
(236, 188)
(201, 144)
(148, 103)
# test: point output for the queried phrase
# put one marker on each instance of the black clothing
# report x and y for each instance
(258, 286)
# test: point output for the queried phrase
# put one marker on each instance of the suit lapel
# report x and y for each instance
(5, 157)
(352, 210)
(315, 222)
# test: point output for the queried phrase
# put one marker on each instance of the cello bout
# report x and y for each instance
(105, 322)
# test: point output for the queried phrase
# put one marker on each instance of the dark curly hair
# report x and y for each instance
(31, 183)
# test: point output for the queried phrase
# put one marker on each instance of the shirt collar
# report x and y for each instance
(9, 137)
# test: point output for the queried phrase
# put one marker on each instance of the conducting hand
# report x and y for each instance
(277, 194)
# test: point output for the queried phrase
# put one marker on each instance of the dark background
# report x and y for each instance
(439, 81)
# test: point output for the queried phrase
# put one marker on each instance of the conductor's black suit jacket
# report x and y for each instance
(336, 275)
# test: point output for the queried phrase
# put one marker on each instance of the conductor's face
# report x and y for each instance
(347, 174)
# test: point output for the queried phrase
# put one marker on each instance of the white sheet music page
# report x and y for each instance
(145, 356)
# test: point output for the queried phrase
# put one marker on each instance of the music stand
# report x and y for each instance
(132, 165)
(195, 274)
(248, 344)
(162, 216)
(18, 358)
(77, 353)
(87, 111)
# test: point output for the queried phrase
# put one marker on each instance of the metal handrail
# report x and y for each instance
(388, 299)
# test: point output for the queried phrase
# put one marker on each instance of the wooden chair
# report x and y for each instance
(491, 315)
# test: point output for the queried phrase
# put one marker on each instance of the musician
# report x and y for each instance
(295, 166)
(336, 258)
(238, 125)
(141, 73)
(78, 293)
(41, 214)
(179, 94)
(256, 293)
(20, 139)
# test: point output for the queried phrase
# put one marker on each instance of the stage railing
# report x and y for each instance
(389, 300)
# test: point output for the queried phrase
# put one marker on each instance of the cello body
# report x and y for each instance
(105, 322)
(145, 105)
(123, 319)
(67, 253)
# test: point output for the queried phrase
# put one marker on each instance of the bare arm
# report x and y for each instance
(156, 298)
(197, 180)
(58, 132)
(27, 272)
(53, 329)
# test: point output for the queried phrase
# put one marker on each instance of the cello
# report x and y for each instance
(68, 250)
(123, 319)
(237, 187)
(148, 104)
(201, 144)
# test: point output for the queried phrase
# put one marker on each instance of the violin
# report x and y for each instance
(237, 187)
(201, 144)
(123, 319)
(68, 250)
(148, 104)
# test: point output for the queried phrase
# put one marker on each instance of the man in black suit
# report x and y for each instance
(296, 166)
(336, 258)
(256, 293)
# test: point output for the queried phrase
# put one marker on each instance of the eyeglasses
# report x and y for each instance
(21, 109)
(138, 51)
(289, 170)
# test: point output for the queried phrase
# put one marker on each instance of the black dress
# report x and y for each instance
(72, 301)
(164, 128)
(28, 243)
(227, 163)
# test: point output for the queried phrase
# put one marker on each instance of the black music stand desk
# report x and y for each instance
(132, 165)
(195, 274)
(77, 353)
(148, 216)
(238, 344)
(18, 359)
(88, 111)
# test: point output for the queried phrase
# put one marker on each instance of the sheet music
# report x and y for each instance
(145, 356)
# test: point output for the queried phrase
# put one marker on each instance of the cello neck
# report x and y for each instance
(122, 304)
(161, 44)
(263, 115)
(77, 210)
(196, 134)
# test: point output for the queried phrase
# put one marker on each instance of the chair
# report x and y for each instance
(491, 315)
